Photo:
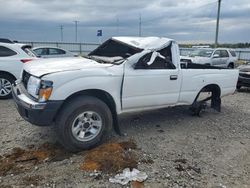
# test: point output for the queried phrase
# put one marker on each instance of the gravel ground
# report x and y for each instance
(182, 150)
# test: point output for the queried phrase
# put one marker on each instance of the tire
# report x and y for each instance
(230, 66)
(78, 119)
(6, 81)
(238, 87)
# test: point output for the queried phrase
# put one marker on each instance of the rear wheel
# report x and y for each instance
(5, 86)
(83, 123)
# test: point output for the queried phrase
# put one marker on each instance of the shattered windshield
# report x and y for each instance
(201, 53)
(113, 51)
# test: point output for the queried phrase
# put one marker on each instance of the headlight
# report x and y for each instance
(45, 90)
(33, 86)
(40, 89)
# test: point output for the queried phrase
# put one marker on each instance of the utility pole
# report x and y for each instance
(140, 25)
(217, 23)
(76, 22)
(61, 28)
(117, 26)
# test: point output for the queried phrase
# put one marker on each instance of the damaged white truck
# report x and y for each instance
(83, 97)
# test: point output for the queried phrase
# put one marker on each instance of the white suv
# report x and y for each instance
(12, 57)
(221, 57)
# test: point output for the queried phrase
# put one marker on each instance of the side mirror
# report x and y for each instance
(216, 56)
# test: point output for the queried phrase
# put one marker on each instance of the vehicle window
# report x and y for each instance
(201, 53)
(5, 52)
(55, 51)
(217, 52)
(41, 51)
(28, 51)
(232, 53)
(224, 53)
(159, 63)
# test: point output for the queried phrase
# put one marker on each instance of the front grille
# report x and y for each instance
(25, 78)
(245, 75)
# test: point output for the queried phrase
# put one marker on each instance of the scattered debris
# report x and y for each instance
(126, 176)
(136, 184)
(180, 168)
(147, 161)
(184, 161)
(194, 168)
(110, 157)
(32, 180)
(160, 131)
(20, 159)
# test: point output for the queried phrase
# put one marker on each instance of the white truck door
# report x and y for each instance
(224, 57)
(152, 85)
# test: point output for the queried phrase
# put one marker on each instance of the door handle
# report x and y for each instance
(173, 77)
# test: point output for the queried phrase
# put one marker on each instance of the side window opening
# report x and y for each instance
(54, 51)
(5, 52)
(217, 52)
(159, 63)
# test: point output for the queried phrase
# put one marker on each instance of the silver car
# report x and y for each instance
(50, 52)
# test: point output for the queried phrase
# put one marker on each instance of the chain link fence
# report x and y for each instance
(85, 48)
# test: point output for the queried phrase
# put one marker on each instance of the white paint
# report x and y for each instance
(143, 89)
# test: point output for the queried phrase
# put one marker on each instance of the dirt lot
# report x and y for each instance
(172, 147)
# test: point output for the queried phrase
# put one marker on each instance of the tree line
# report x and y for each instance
(225, 45)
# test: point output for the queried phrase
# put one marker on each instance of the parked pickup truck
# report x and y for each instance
(83, 97)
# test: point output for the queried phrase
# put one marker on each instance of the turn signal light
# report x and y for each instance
(44, 94)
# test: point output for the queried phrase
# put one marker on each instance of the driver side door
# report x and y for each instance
(149, 86)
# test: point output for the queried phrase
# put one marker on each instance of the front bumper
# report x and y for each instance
(41, 114)
(243, 81)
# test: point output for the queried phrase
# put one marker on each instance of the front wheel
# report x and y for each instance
(83, 123)
(5, 86)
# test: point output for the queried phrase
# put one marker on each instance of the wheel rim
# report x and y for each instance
(5, 87)
(86, 126)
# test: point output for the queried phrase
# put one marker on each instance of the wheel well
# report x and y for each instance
(212, 88)
(231, 63)
(103, 96)
(7, 73)
(215, 96)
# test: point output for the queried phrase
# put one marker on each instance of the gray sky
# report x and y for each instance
(183, 20)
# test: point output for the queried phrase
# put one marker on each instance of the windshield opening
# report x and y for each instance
(112, 51)
(201, 53)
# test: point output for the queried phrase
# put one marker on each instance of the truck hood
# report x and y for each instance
(42, 67)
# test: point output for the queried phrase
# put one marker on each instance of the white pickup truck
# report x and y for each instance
(83, 97)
